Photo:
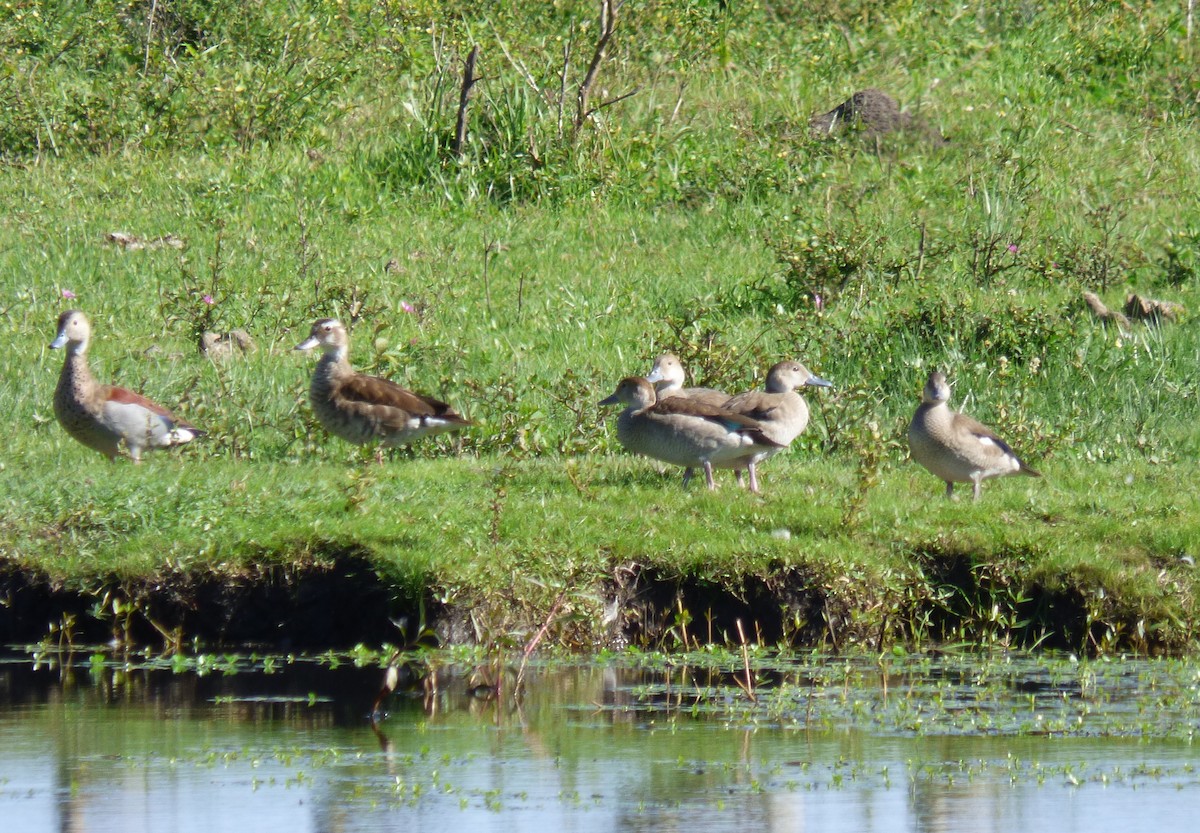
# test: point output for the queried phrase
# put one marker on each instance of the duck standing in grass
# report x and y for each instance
(367, 409)
(112, 420)
(668, 377)
(683, 432)
(955, 447)
(779, 409)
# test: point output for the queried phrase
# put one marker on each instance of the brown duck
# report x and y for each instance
(110, 419)
(955, 447)
(780, 410)
(684, 432)
(667, 376)
(365, 409)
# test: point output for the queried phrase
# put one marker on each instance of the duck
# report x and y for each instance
(684, 432)
(220, 346)
(778, 408)
(112, 420)
(364, 409)
(955, 447)
(667, 376)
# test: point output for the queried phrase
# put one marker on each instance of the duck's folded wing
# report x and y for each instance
(123, 401)
(986, 436)
(755, 404)
(384, 394)
(729, 419)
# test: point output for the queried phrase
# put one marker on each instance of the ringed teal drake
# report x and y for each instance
(110, 419)
(365, 409)
(685, 433)
(955, 447)
(779, 409)
(668, 377)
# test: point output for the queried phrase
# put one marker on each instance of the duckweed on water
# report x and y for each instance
(941, 694)
(933, 694)
(631, 733)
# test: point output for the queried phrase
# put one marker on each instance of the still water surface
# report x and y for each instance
(839, 744)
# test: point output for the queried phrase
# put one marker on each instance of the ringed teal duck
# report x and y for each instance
(110, 419)
(683, 432)
(955, 447)
(367, 409)
(668, 377)
(780, 410)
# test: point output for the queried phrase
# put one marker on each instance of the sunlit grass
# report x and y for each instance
(697, 216)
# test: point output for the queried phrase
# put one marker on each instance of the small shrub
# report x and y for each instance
(821, 264)
(1179, 265)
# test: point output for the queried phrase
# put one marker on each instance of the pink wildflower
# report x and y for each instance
(1012, 247)
(407, 307)
(208, 299)
(68, 294)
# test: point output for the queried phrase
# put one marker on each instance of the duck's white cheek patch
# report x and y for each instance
(182, 435)
(987, 442)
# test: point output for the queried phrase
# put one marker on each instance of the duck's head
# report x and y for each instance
(327, 333)
(667, 373)
(789, 375)
(634, 391)
(74, 331)
(937, 389)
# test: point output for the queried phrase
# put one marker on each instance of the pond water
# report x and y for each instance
(626, 743)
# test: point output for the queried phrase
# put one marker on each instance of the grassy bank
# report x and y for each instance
(302, 158)
(1092, 558)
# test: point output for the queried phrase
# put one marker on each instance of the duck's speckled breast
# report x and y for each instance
(76, 409)
(340, 418)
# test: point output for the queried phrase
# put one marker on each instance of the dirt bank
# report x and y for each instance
(340, 600)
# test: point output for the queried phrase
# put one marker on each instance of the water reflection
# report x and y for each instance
(591, 748)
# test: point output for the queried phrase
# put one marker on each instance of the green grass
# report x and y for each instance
(696, 216)
(510, 537)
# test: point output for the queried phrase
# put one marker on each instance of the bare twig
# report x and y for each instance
(521, 69)
(150, 36)
(562, 78)
(608, 24)
(678, 102)
(68, 45)
(537, 638)
(610, 102)
(749, 685)
(490, 250)
(464, 98)
(921, 253)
